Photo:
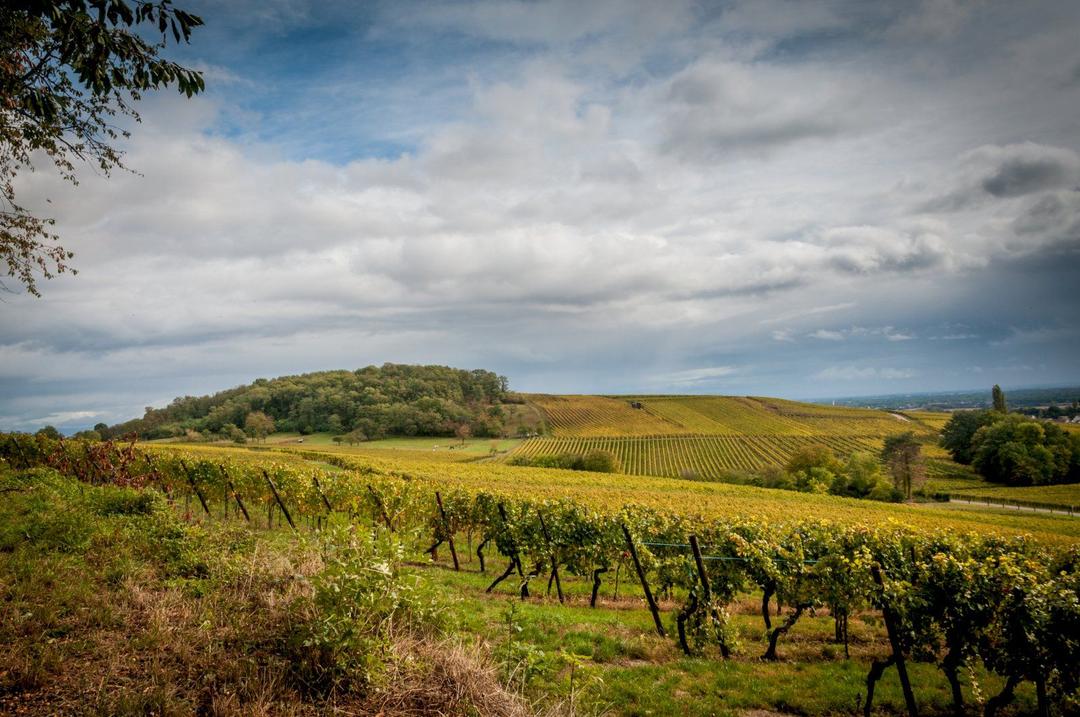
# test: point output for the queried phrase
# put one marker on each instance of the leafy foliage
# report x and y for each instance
(1020, 451)
(68, 68)
(958, 433)
(373, 402)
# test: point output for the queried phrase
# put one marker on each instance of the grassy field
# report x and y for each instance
(435, 448)
(1066, 495)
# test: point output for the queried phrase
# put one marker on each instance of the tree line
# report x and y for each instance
(369, 403)
(1011, 448)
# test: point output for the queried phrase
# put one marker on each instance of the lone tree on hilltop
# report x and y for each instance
(68, 68)
(999, 400)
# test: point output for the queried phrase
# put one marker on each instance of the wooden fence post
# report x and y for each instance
(644, 583)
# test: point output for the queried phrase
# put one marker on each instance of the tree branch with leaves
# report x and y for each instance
(69, 71)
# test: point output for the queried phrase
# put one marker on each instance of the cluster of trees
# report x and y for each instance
(1012, 449)
(373, 402)
(597, 461)
(816, 469)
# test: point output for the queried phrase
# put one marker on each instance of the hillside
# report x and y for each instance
(704, 436)
(377, 401)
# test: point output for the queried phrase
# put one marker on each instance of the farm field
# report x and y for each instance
(702, 457)
(611, 492)
(427, 448)
(211, 603)
(609, 416)
(1066, 495)
(703, 437)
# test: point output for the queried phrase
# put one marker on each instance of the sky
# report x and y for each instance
(797, 199)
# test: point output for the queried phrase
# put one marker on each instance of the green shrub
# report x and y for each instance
(360, 600)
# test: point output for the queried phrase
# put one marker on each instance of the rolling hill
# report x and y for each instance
(704, 436)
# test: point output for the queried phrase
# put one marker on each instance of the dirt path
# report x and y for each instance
(999, 506)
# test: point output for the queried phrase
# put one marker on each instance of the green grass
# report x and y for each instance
(112, 601)
(624, 668)
(471, 446)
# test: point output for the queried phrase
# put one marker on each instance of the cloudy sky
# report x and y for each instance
(800, 199)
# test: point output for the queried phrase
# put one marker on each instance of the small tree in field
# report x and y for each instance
(463, 432)
(903, 455)
(258, 425)
(355, 436)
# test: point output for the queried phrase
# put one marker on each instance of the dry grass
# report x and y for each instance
(444, 678)
(116, 628)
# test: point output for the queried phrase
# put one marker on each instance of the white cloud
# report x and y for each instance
(853, 373)
(697, 375)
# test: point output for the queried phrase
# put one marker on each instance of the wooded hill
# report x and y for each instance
(377, 401)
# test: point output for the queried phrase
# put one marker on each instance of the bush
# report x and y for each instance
(596, 461)
(109, 500)
(360, 600)
(601, 462)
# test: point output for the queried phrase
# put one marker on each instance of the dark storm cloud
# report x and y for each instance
(1019, 176)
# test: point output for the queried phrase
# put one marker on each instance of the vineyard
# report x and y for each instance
(1007, 604)
(607, 416)
(702, 457)
(703, 437)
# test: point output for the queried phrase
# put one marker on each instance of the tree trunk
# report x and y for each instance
(770, 654)
(1002, 698)
(877, 669)
(596, 585)
(504, 576)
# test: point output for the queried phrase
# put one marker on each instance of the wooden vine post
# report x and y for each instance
(897, 657)
(446, 527)
(554, 560)
(281, 504)
(514, 557)
(233, 493)
(194, 487)
(644, 583)
(706, 590)
(319, 490)
(382, 508)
